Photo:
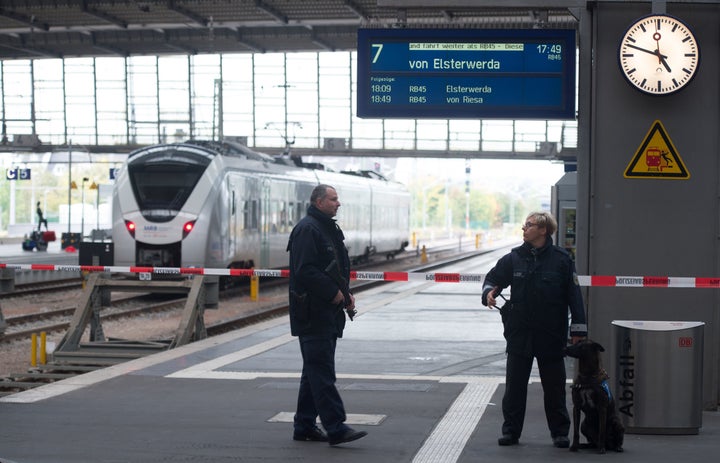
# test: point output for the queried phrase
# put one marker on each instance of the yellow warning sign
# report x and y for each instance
(657, 157)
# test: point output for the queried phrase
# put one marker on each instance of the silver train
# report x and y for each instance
(222, 205)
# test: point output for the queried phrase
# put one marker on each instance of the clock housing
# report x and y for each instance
(659, 54)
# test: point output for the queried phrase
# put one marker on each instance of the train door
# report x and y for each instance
(265, 223)
(233, 211)
(373, 225)
(249, 215)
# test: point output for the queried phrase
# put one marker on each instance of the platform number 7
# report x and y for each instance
(378, 47)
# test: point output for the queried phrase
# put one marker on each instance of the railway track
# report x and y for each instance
(70, 284)
(29, 289)
(24, 326)
(52, 371)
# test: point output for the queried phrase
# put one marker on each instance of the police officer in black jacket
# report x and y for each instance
(543, 285)
(319, 296)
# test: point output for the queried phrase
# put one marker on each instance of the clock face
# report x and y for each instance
(659, 55)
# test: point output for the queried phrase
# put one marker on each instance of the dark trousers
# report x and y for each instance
(318, 395)
(552, 378)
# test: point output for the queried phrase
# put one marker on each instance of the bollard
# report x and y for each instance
(254, 287)
(33, 350)
(423, 255)
(43, 348)
(414, 239)
(477, 241)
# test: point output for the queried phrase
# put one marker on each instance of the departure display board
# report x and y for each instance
(466, 73)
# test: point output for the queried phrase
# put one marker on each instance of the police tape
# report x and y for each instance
(583, 280)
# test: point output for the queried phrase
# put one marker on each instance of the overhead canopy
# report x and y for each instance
(72, 28)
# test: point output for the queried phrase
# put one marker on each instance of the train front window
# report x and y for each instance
(163, 181)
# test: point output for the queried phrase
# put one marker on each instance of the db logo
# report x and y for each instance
(685, 342)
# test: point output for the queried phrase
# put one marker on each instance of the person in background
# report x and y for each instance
(543, 286)
(319, 297)
(41, 218)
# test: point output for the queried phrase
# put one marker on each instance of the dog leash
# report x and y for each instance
(503, 308)
(506, 307)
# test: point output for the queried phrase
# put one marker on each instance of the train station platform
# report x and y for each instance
(11, 252)
(421, 369)
(12, 247)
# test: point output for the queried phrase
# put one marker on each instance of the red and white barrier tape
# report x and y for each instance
(585, 280)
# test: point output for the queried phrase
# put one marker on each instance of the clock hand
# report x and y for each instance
(663, 61)
(657, 37)
(656, 52)
(661, 57)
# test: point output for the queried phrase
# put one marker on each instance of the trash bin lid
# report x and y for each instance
(655, 325)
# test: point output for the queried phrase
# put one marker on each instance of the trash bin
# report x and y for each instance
(658, 375)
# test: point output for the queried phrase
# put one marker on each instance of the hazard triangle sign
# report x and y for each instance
(657, 157)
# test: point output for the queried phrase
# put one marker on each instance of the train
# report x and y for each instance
(220, 204)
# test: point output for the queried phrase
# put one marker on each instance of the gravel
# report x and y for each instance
(15, 356)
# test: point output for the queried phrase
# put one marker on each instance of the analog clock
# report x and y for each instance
(659, 54)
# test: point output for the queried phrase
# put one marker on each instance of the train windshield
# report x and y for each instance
(163, 180)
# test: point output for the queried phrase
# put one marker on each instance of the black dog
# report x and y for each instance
(591, 395)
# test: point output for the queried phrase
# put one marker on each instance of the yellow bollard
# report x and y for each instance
(33, 350)
(414, 239)
(477, 241)
(43, 348)
(254, 287)
(423, 255)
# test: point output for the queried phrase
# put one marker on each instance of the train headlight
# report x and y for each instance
(188, 227)
(130, 226)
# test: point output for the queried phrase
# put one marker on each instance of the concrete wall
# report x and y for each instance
(650, 227)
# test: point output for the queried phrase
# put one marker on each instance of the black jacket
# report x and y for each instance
(311, 288)
(543, 286)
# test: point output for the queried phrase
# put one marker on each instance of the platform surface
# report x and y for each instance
(11, 252)
(421, 369)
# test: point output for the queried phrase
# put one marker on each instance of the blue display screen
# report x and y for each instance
(466, 73)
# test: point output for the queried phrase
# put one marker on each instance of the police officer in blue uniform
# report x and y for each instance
(544, 286)
(319, 297)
